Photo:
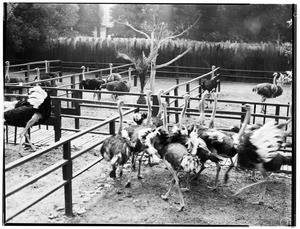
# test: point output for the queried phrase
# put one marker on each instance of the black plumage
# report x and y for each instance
(259, 150)
(14, 80)
(92, 84)
(268, 90)
(117, 149)
(28, 113)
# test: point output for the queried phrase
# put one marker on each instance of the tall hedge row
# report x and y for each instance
(258, 56)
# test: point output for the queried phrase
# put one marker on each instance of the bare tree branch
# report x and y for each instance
(173, 60)
(178, 35)
(130, 26)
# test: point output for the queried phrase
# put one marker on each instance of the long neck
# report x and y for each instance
(274, 79)
(244, 125)
(110, 69)
(201, 108)
(149, 108)
(212, 118)
(121, 119)
(183, 111)
(38, 74)
(46, 66)
(159, 104)
(83, 73)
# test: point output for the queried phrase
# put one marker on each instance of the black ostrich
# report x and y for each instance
(259, 150)
(139, 118)
(221, 143)
(36, 110)
(210, 85)
(122, 86)
(91, 84)
(175, 156)
(268, 90)
(8, 79)
(117, 149)
(113, 76)
(46, 75)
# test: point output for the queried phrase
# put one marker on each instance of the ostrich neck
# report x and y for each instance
(38, 74)
(274, 80)
(183, 111)
(165, 122)
(121, 120)
(212, 118)
(83, 74)
(244, 125)
(160, 105)
(46, 66)
(201, 110)
(149, 109)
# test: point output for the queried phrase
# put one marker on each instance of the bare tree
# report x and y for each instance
(158, 34)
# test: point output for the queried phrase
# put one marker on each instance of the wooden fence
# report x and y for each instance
(74, 111)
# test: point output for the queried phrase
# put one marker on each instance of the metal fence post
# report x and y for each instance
(168, 103)
(67, 176)
(176, 101)
(188, 92)
(277, 112)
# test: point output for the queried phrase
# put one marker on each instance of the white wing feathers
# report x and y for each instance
(36, 96)
(268, 140)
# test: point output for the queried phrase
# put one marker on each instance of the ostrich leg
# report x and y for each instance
(263, 107)
(35, 118)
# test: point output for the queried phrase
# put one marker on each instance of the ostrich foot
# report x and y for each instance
(164, 197)
(180, 208)
(140, 177)
(260, 202)
(212, 188)
(185, 189)
(128, 185)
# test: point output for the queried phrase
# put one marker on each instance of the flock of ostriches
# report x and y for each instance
(183, 147)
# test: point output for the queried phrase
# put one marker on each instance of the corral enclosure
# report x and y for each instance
(94, 194)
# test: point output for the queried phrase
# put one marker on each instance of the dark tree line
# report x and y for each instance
(241, 23)
(32, 26)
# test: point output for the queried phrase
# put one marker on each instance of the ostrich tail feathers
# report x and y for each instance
(36, 97)
(267, 140)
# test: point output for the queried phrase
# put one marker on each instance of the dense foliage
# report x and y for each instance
(242, 23)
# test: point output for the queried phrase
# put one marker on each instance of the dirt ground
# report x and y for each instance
(95, 200)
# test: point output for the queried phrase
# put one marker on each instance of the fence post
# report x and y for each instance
(135, 80)
(277, 112)
(57, 123)
(73, 87)
(176, 101)
(188, 92)
(265, 112)
(60, 71)
(67, 176)
(200, 89)
(219, 85)
(254, 111)
(27, 73)
(112, 127)
(168, 103)
(155, 103)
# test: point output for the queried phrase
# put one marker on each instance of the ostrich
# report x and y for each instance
(117, 149)
(113, 76)
(175, 156)
(210, 85)
(35, 111)
(38, 78)
(91, 84)
(46, 75)
(268, 90)
(258, 149)
(14, 80)
(138, 118)
(137, 133)
(220, 143)
(123, 86)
